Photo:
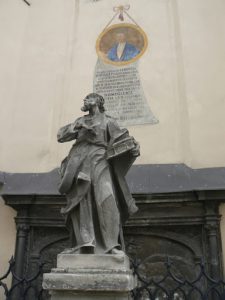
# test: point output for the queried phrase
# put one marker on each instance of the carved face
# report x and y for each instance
(89, 102)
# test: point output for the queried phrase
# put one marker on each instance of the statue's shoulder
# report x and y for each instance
(80, 119)
(110, 118)
(112, 123)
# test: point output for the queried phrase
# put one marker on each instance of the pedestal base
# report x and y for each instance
(90, 277)
(68, 295)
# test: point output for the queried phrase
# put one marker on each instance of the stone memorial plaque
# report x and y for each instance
(124, 96)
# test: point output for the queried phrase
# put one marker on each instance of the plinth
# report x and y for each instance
(90, 277)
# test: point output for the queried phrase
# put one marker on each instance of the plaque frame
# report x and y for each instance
(115, 27)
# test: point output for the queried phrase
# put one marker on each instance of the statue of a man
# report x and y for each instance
(93, 179)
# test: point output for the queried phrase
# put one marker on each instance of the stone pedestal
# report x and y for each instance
(90, 277)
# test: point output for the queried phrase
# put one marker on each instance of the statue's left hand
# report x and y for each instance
(136, 150)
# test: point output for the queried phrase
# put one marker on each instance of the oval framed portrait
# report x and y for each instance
(121, 44)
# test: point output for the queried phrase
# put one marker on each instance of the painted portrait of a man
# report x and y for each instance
(121, 44)
(122, 50)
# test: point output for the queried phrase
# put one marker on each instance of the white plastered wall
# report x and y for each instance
(47, 66)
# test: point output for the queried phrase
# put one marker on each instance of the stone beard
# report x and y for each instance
(98, 198)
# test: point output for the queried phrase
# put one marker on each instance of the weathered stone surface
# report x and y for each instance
(93, 261)
(121, 281)
(81, 276)
(59, 295)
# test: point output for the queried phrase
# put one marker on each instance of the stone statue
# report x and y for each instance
(93, 179)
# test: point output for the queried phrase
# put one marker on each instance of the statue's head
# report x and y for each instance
(93, 99)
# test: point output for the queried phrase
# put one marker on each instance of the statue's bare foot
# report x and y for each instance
(70, 251)
(116, 251)
(132, 208)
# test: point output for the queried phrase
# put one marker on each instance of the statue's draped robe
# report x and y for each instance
(86, 179)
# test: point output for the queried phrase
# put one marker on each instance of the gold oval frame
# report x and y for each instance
(121, 63)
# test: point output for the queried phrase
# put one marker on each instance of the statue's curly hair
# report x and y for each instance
(99, 100)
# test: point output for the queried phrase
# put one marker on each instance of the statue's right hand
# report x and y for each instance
(78, 126)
